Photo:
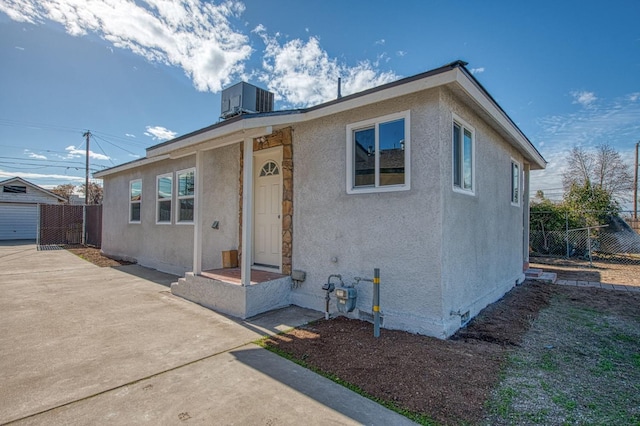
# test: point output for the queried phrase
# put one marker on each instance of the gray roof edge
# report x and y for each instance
(479, 85)
(224, 123)
(33, 185)
(459, 64)
(241, 117)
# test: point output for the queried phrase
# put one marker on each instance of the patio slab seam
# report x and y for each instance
(130, 383)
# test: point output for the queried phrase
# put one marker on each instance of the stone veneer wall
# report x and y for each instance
(282, 138)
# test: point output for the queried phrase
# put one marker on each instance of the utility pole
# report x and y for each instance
(87, 135)
(635, 187)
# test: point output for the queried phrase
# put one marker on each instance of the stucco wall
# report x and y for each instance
(166, 247)
(220, 202)
(438, 251)
(482, 254)
(398, 232)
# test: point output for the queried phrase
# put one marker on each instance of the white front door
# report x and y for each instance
(267, 237)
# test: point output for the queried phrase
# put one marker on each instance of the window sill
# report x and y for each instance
(372, 190)
(464, 191)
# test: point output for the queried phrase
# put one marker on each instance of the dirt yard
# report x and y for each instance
(93, 255)
(495, 370)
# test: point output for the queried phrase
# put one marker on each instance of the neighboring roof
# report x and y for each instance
(17, 179)
(254, 125)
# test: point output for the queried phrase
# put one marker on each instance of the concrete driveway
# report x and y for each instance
(81, 344)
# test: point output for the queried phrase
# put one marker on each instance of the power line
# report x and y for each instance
(105, 154)
(128, 140)
(35, 149)
(11, 164)
(117, 146)
(38, 126)
(47, 126)
(41, 159)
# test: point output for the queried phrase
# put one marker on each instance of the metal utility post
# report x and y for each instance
(635, 186)
(376, 302)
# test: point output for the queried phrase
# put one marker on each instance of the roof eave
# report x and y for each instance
(128, 166)
(477, 92)
(34, 186)
(247, 126)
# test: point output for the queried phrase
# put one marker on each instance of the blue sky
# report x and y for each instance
(138, 73)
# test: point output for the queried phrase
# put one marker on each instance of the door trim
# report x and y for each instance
(259, 159)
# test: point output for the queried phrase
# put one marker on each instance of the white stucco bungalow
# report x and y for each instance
(425, 178)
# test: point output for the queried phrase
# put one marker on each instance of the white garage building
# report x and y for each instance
(19, 201)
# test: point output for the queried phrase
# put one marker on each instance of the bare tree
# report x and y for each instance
(602, 168)
(95, 193)
(65, 190)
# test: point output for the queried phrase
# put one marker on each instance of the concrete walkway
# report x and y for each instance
(81, 344)
(597, 284)
(622, 278)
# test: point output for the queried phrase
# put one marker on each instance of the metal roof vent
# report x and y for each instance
(243, 98)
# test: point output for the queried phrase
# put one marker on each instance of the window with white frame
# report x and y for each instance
(164, 195)
(515, 183)
(135, 200)
(463, 153)
(378, 157)
(186, 184)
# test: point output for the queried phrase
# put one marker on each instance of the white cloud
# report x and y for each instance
(33, 176)
(203, 39)
(74, 152)
(160, 133)
(477, 70)
(634, 96)
(401, 53)
(302, 73)
(19, 48)
(196, 36)
(130, 135)
(379, 42)
(31, 154)
(583, 98)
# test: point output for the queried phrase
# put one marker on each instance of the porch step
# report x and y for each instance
(234, 299)
(533, 273)
(547, 277)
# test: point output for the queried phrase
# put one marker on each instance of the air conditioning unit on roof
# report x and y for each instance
(243, 98)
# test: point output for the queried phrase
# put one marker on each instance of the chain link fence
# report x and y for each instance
(595, 236)
(64, 225)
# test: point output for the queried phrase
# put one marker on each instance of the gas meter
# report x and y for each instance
(346, 299)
